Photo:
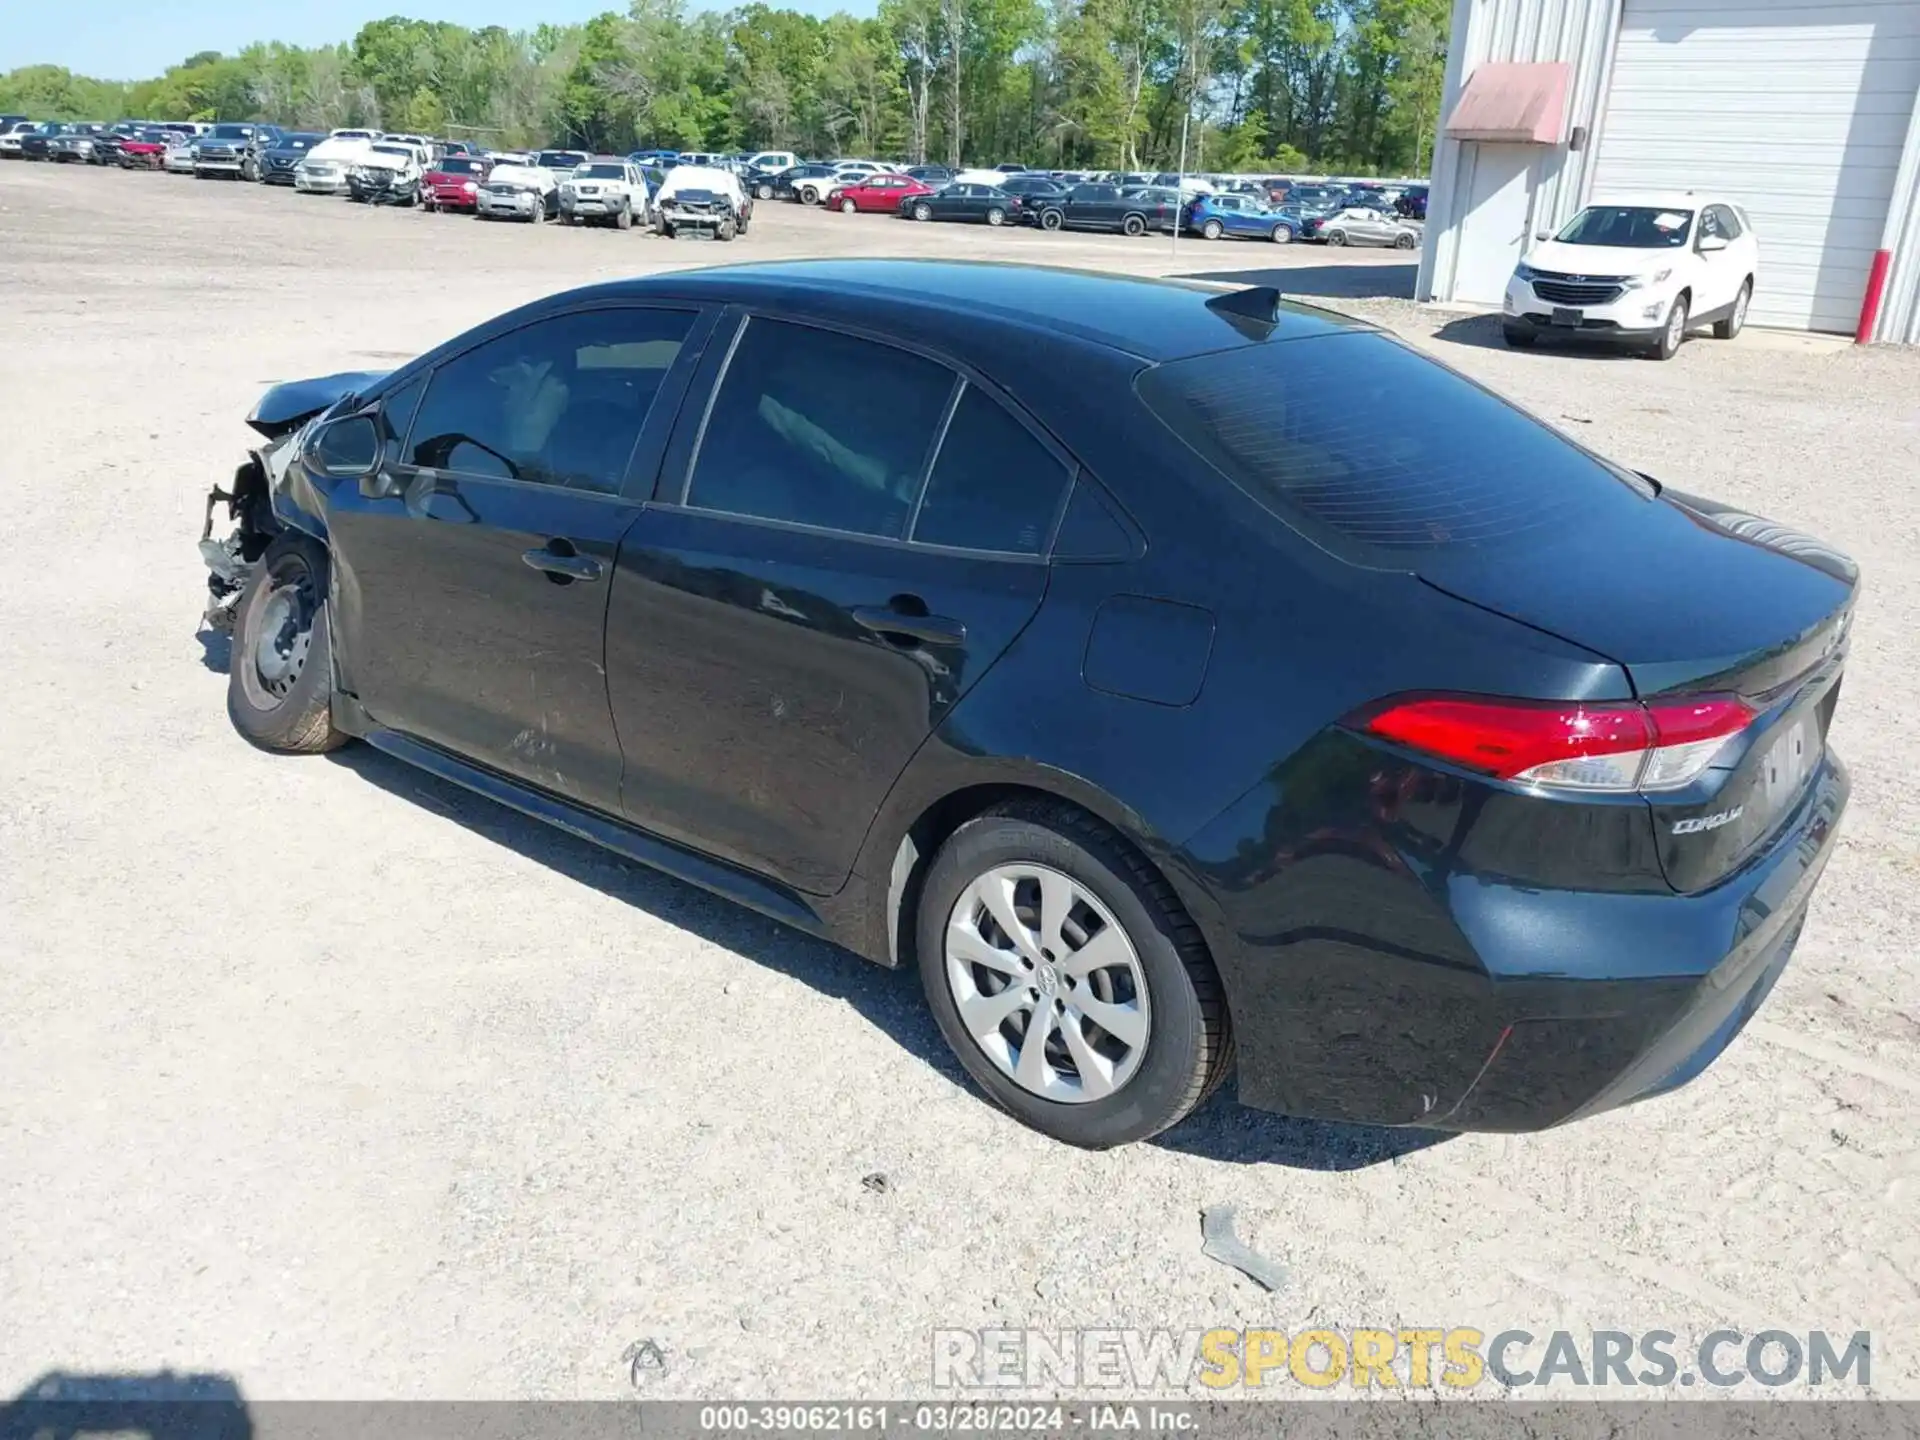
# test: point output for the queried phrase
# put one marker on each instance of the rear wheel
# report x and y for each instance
(1283, 234)
(280, 676)
(996, 216)
(1213, 230)
(1736, 322)
(1403, 242)
(809, 195)
(763, 190)
(1336, 237)
(1133, 225)
(1051, 219)
(1674, 333)
(1067, 979)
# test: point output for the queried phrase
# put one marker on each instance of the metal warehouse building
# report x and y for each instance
(1801, 111)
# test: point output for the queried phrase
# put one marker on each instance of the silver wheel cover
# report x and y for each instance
(1047, 983)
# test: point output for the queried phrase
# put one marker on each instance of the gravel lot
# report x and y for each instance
(330, 1078)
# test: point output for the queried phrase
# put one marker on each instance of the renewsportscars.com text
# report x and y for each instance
(1409, 1358)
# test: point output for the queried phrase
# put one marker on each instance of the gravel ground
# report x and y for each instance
(330, 1078)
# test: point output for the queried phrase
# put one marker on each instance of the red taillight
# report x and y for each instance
(1565, 744)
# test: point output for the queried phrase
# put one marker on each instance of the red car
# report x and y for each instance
(145, 151)
(876, 192)
(453, 183)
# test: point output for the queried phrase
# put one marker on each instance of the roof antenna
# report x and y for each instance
(1262, 302)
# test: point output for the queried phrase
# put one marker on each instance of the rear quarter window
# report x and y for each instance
(1376, 453)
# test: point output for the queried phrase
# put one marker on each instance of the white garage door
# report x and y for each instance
(1796, 109)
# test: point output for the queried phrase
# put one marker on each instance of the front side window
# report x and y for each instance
(1629, 227)
(818, 428)
(558, 402)
(994, 486)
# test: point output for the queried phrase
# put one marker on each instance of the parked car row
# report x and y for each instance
(1051, 204)
(670, 195)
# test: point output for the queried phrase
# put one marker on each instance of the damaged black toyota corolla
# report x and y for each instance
(1093, 645)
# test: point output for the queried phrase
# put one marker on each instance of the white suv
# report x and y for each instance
(1641, 271)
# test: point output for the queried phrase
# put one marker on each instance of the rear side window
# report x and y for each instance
(994, 486)
(818, 428)
(1374, 451)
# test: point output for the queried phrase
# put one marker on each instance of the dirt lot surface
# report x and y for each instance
(330, 1078)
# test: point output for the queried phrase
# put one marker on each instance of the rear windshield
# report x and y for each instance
(1373, 451)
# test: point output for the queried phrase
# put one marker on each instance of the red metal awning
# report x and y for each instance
(1517, 103)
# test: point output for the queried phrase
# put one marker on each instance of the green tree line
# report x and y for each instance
(1284, 85)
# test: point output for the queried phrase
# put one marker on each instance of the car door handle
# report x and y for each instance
(887, 621)
(563, 566)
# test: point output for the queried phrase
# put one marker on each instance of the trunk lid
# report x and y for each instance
(1694, 598)
(1390, 461)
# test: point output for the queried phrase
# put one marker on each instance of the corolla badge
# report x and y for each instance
(1697, 823)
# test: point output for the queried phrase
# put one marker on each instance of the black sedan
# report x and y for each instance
(37, 143)
(807, 184)
(281, 159)
(1088, 644)
(980, 204)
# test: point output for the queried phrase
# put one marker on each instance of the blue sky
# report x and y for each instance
(133, 39)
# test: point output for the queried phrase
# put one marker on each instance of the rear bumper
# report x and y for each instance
(319, 184)
(1386, 990)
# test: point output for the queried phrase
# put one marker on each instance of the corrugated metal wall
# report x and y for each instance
(1580, 32)
(1584, 33)
(1900, 306)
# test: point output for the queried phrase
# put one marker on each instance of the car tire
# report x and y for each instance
(623, 220)
(847, 207)
(1736, 322)
(1282, 235)
(727, 231)
(1403, 242)
(1161, 976)
(1051, 219)
(996, 216)
(1517, 336)
(809, 196)
(923, 212)
(1134, 226)
(280, 671)
(1673, 334)
(763, 191)
(1336, 237)
(1213, 230)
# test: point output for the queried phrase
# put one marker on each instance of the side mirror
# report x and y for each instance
(1709, 243)
(345, 449)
